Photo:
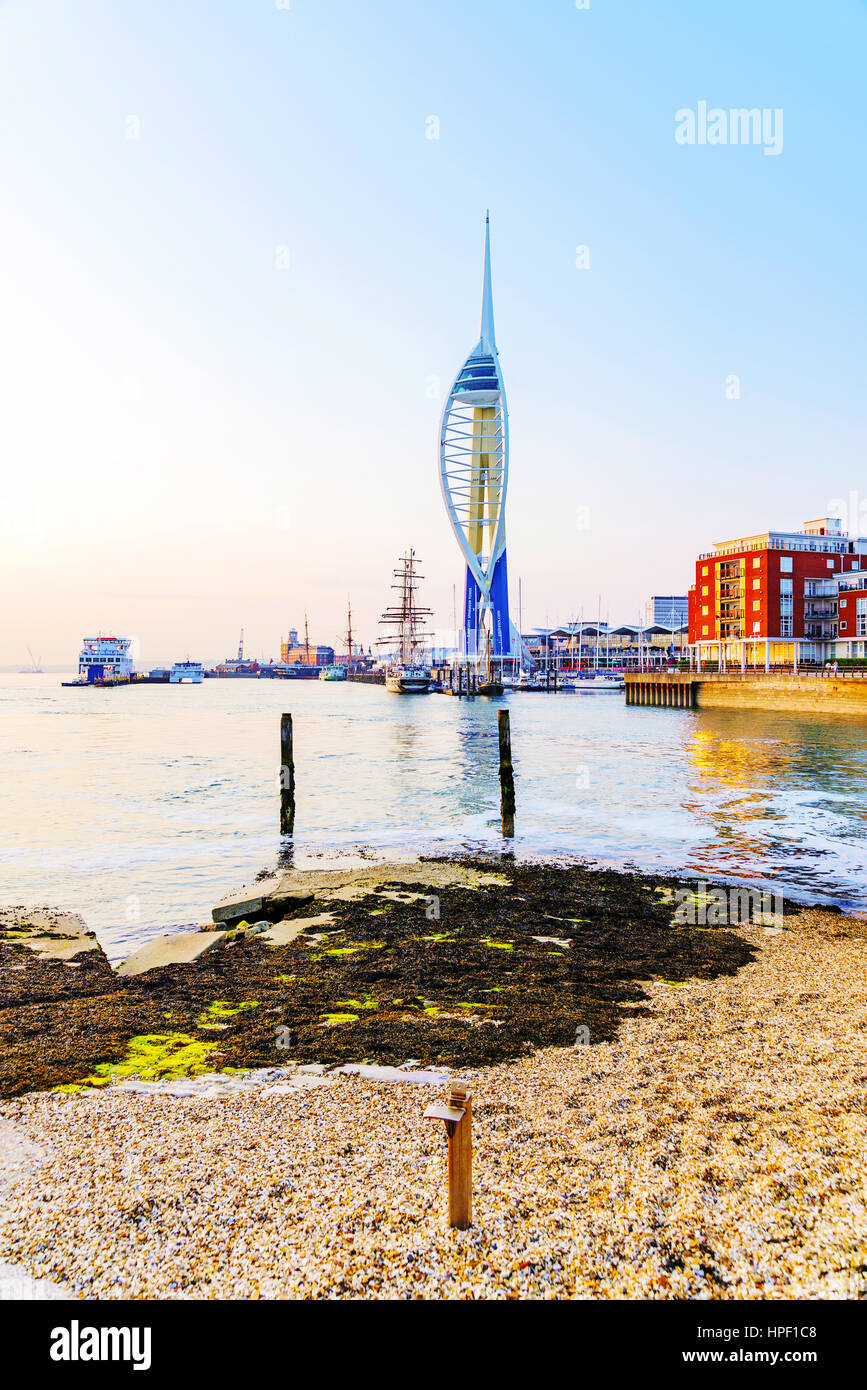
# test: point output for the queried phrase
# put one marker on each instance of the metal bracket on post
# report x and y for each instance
(458, 1116)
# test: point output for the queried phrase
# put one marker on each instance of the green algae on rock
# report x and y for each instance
(151, 1057)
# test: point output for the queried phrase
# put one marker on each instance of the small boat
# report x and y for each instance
(409, 674)
(192, 672)
(333, 673)
(590, 683)
(527, 680)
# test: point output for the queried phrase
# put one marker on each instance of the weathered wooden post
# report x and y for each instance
(507, 776)
(287, 777)
(458, 1115)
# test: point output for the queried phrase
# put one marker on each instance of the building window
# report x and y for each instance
(704, 610)
(843, 624)
(861, 617)
(757, 627)
(757, 604)
(785, 564)
(704, 591)
(843, 602)
(704, 569)
(704, 632)
(785, 627)
(756, 562)
(830, 564)
(757, 583)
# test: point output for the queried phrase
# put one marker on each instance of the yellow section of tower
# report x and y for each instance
(486, 479)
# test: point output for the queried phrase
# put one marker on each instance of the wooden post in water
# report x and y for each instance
(458, 1115)
(507, 776)
(287, 777)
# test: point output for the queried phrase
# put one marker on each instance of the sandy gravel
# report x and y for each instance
(715, 1150)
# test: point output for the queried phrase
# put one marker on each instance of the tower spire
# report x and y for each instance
(488, 340)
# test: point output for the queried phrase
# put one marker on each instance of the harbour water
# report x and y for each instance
(139, 807)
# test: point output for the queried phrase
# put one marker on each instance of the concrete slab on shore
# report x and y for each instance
(50, 933)
(272, 901)
(284, 932)
(177, 948)
(282, 892)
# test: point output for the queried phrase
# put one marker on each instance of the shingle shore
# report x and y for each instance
(713, 1150)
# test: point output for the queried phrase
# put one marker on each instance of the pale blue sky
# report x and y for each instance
(194, 439)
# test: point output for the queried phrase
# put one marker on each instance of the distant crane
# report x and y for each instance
(241, 646)
(35, 668)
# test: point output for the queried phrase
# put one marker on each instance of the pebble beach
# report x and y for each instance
(712, 1150)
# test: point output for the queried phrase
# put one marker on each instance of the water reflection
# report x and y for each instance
(779, 793)
(170, 795)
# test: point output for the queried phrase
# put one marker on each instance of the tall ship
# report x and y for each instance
(105, 659)
(409, 673)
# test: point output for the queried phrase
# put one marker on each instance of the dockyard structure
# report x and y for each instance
(474, 476)
(780, 599)
(314, 655)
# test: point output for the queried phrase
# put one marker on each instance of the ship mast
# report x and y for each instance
(407, 616)
(349, 633)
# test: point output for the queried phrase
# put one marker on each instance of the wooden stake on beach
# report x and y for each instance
(458, 1115)
(507, 776)
(287, 777)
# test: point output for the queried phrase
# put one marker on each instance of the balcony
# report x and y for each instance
(820, 632)
(826, 608)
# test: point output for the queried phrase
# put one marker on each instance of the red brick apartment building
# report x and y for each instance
(780, 598)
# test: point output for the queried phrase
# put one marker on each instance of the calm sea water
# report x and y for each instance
(140, 807)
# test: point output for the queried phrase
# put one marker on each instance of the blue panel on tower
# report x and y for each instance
(472, 602)
(501, 643)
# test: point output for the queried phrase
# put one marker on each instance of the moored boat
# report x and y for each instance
(191, 672)
(408, 680)
(409, 673)
(104, 659)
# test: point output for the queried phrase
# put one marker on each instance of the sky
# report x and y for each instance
(238, 276)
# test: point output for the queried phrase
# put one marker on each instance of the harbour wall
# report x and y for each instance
(813, 694)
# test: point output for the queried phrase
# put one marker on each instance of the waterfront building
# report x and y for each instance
(780, 598)
(474, 475)
(589, 645)
(670, 610)
(314, 655)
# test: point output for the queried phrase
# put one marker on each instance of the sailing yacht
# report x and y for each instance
(409, 674)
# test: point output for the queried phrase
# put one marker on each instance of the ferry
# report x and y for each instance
(187, 671)
(333, 673)
(105, 659)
